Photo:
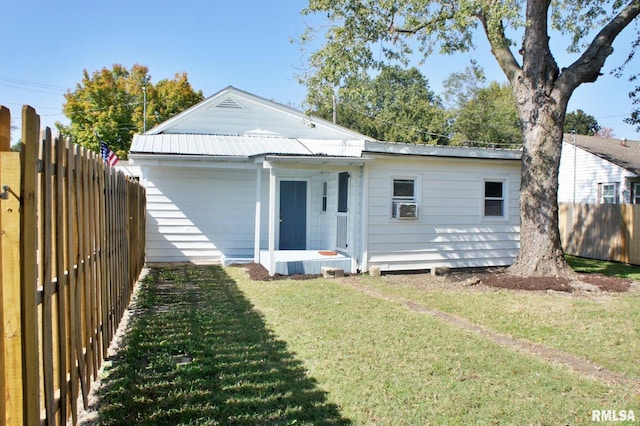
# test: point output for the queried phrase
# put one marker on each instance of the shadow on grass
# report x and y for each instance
(196, 352)
(612, 269)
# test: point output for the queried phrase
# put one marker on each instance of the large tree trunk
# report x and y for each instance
(542, 105)
(541, 251)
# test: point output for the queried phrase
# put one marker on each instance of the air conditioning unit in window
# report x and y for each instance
(405, 210)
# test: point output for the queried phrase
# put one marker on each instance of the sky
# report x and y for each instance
(46, 45)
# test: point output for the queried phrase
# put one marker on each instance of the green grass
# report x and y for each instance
(614, 269)
(384, 364)
(241, 372)
(604, 329)
(317, 352)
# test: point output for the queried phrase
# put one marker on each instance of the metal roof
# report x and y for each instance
(252, 146)
(621, 152)
(215, 145)
(394, 148)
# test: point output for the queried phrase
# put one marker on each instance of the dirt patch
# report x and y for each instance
(599, 282)
(493, 277)
(257, 272)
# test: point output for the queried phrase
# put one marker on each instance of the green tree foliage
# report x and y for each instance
(461, 87)
(490, 117)
(110, 102)
(397, 105)
(581, 123)
(361, 36)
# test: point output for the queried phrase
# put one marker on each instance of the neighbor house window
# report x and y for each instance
(404, 200)
(494, 202)
(608, 193)
(636, 193)
(324, 196)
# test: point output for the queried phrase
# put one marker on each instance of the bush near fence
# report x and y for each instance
(601, 231)
(72, 248)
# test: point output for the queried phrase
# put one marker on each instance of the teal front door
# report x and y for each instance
(293, 215)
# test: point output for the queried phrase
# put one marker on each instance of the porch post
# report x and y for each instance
(272, 221)
(256, 243)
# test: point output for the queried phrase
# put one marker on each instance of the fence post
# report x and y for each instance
(5, 137)
(11, 289)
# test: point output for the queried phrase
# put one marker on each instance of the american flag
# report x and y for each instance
(109, 156)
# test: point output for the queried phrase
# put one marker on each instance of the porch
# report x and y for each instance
(289, 262)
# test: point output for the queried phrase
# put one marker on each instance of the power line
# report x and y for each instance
(33, 83)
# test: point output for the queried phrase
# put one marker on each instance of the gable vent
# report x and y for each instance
(229, 104)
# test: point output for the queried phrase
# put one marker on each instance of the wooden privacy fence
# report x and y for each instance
(601, 231)
(71, 249)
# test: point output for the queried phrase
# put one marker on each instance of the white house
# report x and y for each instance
(597, 170)
(241, 178)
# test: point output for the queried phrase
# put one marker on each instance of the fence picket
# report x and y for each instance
(29, 267)
(61, 277)
(45, 217)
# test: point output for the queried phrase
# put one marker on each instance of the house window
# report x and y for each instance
(494, 202)
(404, 200)
(636, 193)
(608, 193)
(324, 196)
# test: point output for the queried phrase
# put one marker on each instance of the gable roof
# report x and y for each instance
(234, 112)
(621, 152)
(236, 124)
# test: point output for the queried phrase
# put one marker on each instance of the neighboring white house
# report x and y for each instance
(241, 178)
(596, 170)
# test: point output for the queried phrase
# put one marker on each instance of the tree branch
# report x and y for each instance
(586, 69)
(499, 47)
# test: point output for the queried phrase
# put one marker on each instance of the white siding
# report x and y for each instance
(199, 215)
(450, 229)
(590, 170)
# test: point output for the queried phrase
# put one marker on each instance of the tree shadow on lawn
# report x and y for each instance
(196, 352)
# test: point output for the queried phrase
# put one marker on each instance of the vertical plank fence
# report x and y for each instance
(601, 231)
(71, 249)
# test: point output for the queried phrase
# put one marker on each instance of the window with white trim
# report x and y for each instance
(494, 198)
(404, 203)
(636, 193)
(608, 193)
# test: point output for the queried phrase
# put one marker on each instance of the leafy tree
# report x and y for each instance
(363, 35)
(491, 116)
(110, 103)
(606, 132)
(581, 123)
(397, 105)
(461, 87)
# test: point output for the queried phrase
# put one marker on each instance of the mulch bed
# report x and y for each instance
(491, 278)
(603, 282)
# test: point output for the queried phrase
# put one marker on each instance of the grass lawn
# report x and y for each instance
(604, 329)
(614, 269)
(318, 352)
